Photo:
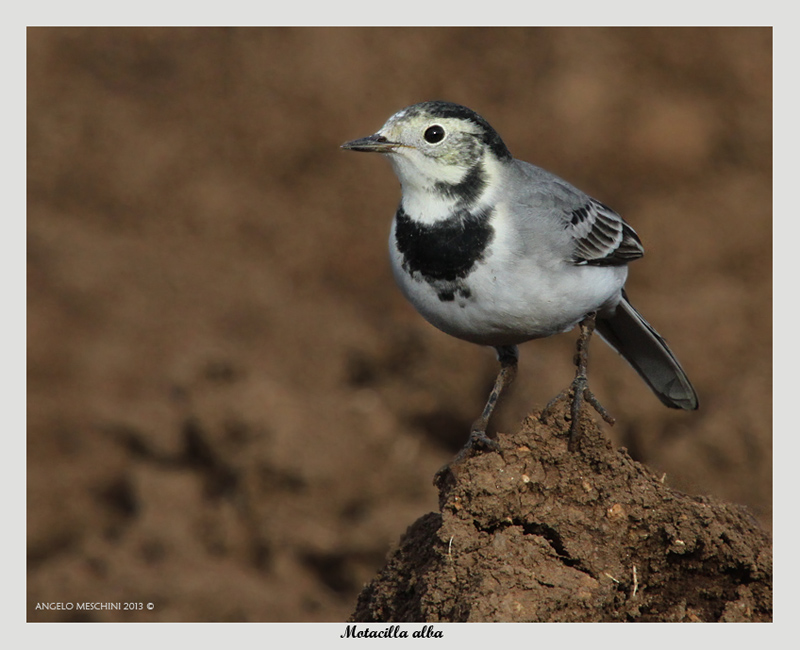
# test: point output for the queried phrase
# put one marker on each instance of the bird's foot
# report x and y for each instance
(548, 410)
(597, 406)
(478, 441)
(575, 395)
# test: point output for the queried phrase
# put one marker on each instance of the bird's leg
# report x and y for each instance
(580, 385)
(507, 356)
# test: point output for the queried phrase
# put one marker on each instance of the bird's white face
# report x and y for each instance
(429, 149)
(426, 150)
(447, 157)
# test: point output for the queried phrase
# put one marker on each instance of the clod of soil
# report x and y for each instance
(537, 533)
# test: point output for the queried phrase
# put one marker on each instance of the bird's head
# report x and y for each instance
(434, 146)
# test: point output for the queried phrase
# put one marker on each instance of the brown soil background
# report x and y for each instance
(232, 412)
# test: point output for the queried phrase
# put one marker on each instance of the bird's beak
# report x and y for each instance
(375, 142)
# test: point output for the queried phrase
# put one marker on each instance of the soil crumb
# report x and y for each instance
(535, 533)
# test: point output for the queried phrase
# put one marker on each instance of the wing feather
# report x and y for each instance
(601, 236)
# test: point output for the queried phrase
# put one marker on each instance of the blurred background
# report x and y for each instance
(232, 411)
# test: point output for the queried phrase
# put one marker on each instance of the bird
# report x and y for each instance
(497, 252)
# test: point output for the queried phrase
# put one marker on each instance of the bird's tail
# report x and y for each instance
(642, 347)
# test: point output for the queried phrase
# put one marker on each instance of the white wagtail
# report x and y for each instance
(496, 251)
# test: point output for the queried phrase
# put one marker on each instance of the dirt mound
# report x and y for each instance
(536, 533)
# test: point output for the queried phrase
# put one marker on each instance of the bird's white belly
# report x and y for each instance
(502, 304)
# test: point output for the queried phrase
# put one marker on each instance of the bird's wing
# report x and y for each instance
(582, 229)
(601, 236)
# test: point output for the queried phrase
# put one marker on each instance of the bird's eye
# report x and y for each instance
(434, 134)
